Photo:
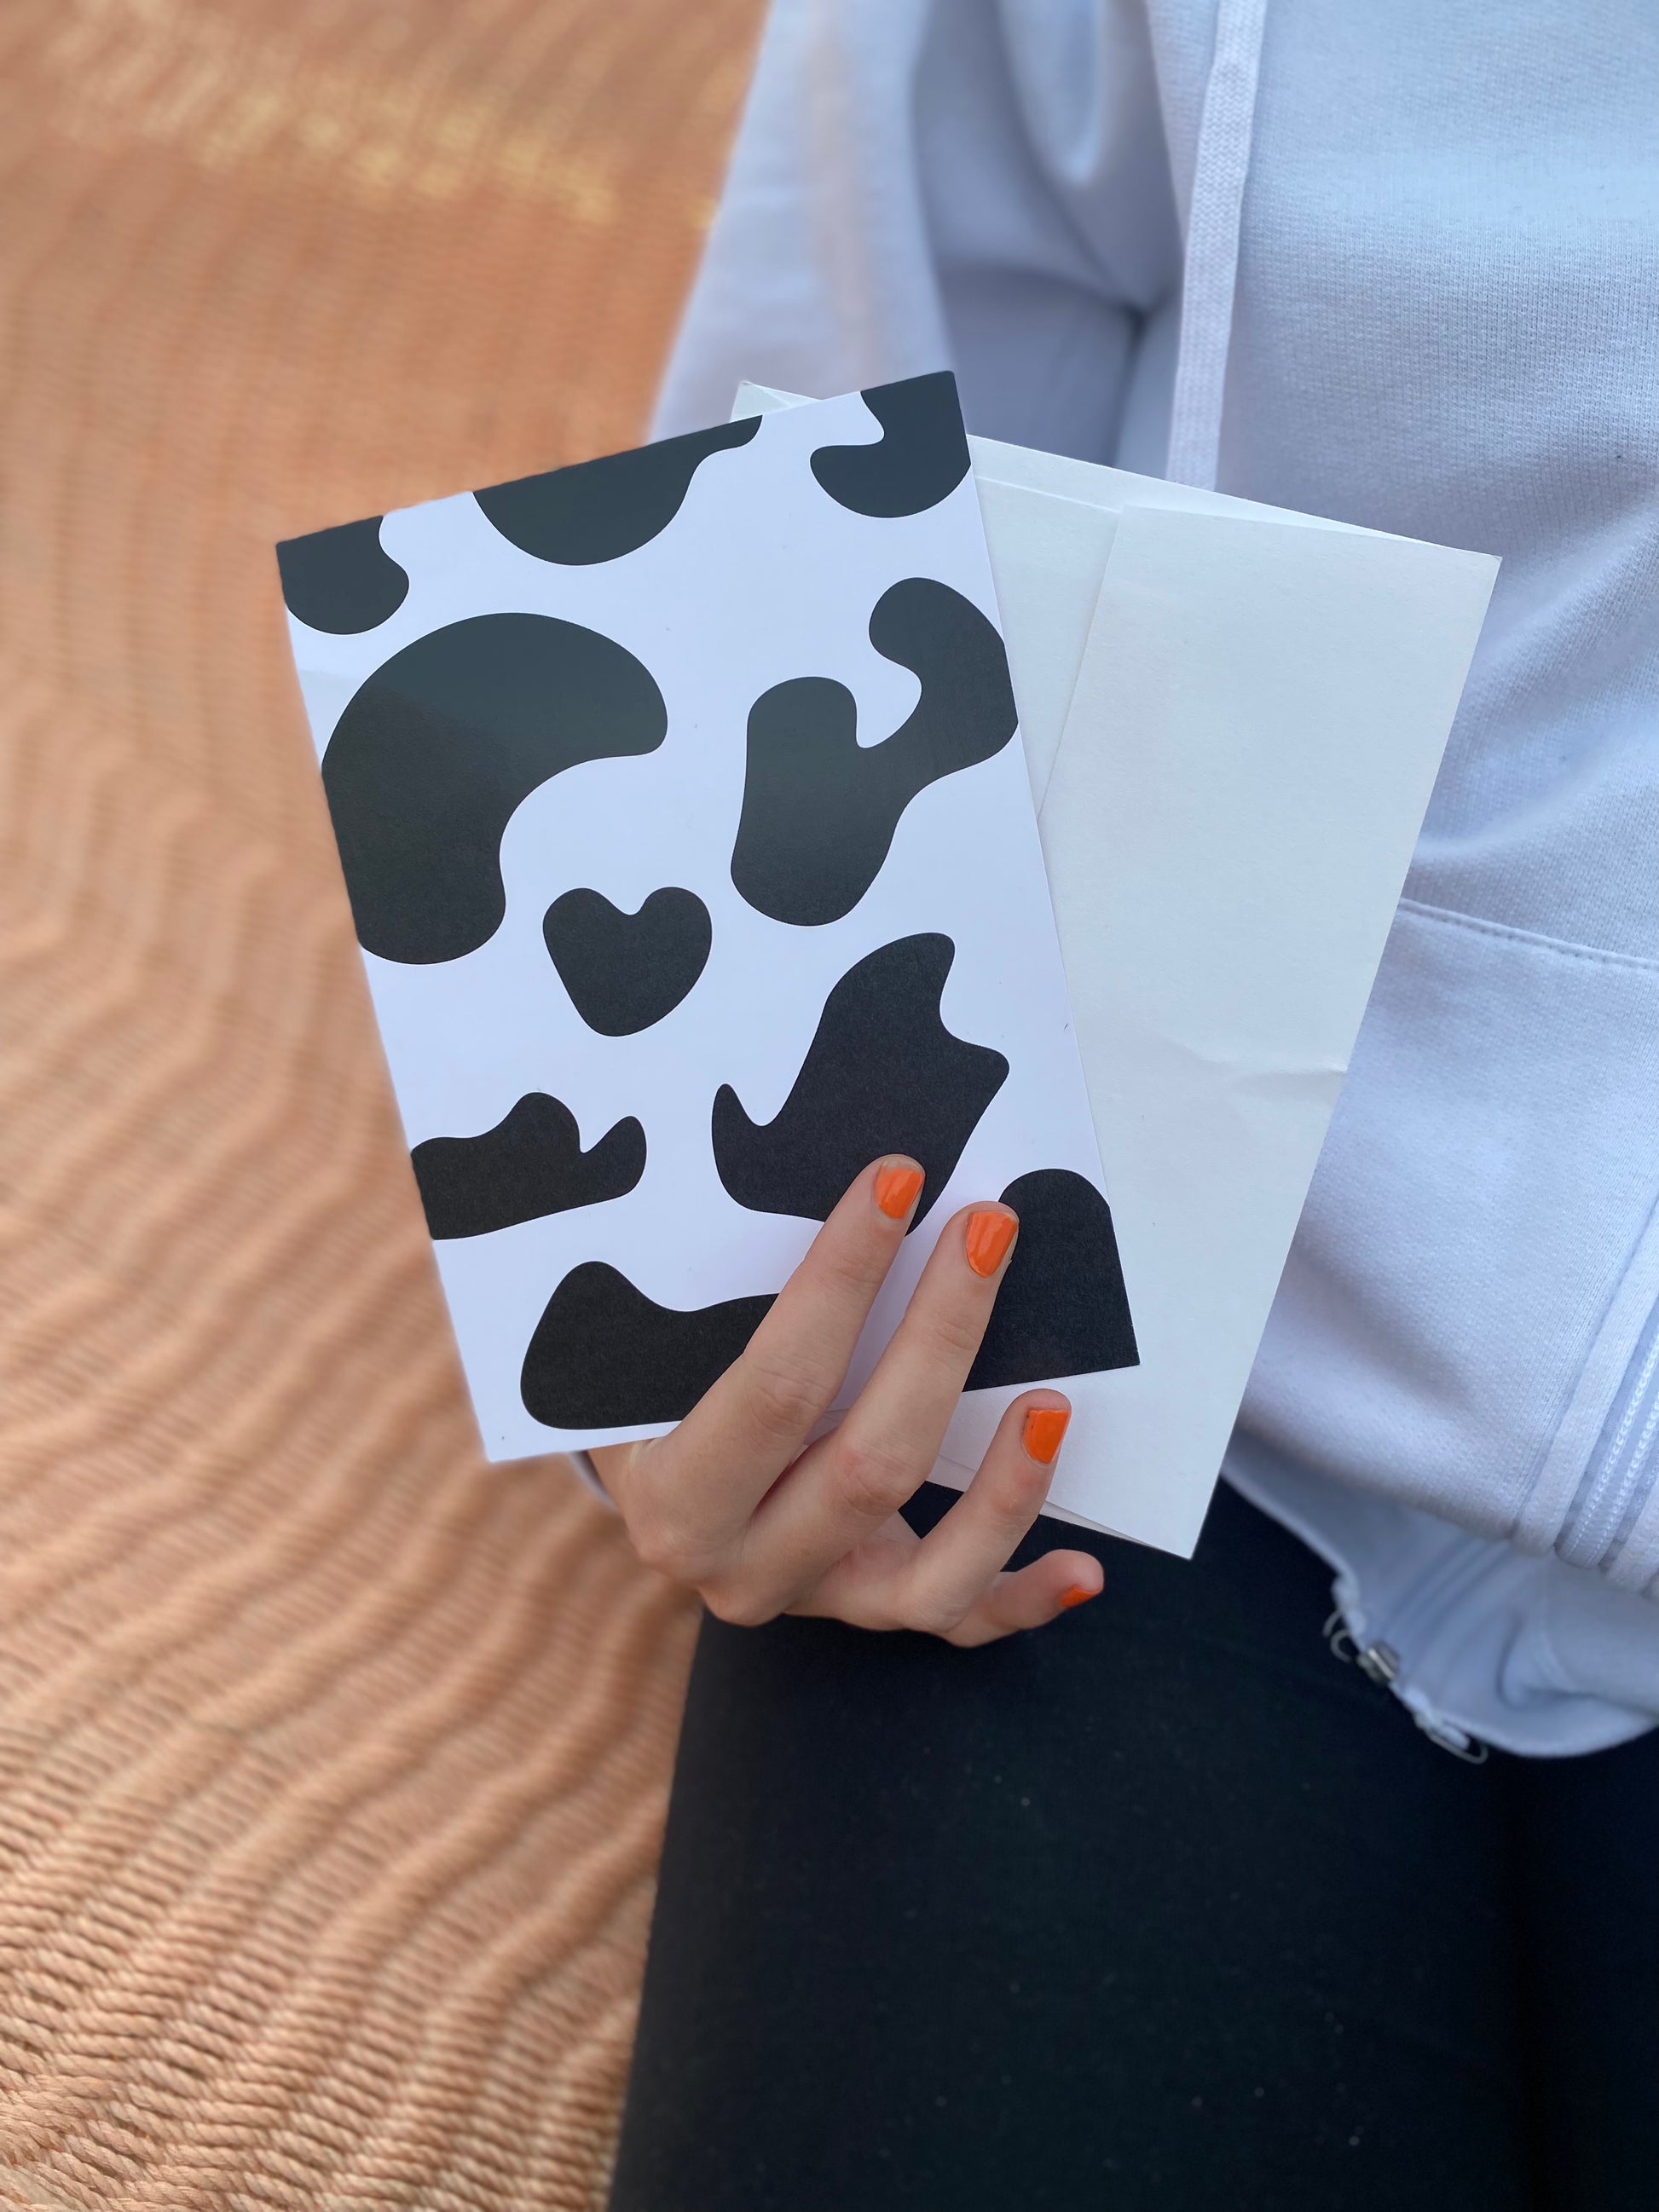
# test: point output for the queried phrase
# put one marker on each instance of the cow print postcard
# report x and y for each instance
(691, 851)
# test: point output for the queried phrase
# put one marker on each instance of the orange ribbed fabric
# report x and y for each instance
(333, 1761)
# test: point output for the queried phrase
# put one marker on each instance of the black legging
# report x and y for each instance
(1160, 1906)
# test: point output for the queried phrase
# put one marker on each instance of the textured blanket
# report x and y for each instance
(333, 1761)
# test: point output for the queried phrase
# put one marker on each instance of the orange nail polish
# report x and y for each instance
(1045, 1426)
(1076, 1596)
(989, 1235)
(896, 1190)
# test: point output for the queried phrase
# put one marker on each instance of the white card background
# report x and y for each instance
(1233, 717)
(760, 578)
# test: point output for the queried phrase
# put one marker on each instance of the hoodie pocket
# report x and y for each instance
(1470, 1279)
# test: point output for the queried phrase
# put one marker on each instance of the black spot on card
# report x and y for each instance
(604, 1357)
(921, 456)
(599, 510)
(530, 1164)
(437, 750)
(341, 580)
(625, 971)
(1062, 1308)
(882, 1074)
(819, 809)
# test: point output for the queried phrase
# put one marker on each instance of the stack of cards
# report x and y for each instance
(693, 849)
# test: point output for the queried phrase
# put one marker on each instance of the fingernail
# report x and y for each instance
(1076, 1595)
(1045, 1426)
(896, 1189)
(989, 1235)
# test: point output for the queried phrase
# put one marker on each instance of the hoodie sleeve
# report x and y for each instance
(975, 184)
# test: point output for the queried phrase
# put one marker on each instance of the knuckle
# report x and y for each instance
(959, 1334)
(785, 1399)
(1025, 1486)
(873, 1480)
(969, 1633)
(662, 1542)
(737, 1607)
(654, 1546)
(936, 1616)
(855, 1272)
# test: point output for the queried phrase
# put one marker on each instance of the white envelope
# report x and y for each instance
(1233, 716)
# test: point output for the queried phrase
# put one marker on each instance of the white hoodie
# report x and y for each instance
(1421, 293)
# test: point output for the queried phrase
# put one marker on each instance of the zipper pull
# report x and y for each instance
(1468, 1748)
(1381, 1662)
(1336, 1632)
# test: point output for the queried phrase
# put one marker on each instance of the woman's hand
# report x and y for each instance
(737, 1504)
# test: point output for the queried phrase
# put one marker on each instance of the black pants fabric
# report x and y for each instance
(1161, 1906)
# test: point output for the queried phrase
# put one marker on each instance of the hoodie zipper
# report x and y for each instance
(1620, 1471)
(1210, 277)
(1373, 1647)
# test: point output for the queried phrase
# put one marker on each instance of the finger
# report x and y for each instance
(954, 1564)
(1030, 1599)
(865, 1589)
(705, 1478)
(885, 1448)
(951, 1582)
